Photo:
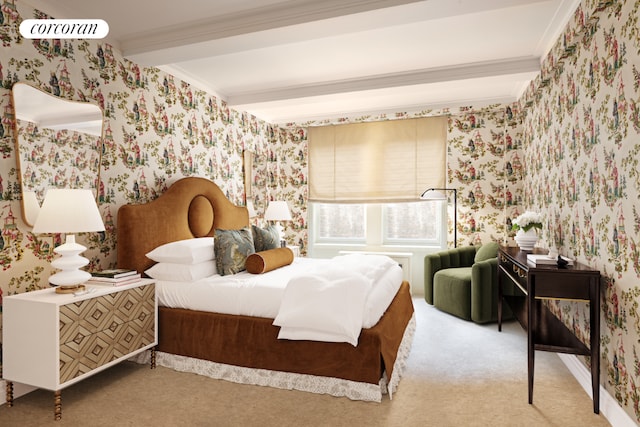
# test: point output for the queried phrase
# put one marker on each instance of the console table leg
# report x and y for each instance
(532, 314)
(499, 304)
(9, 388)
(530, 372)
(595, 385)
(57, 405)
(595, 342)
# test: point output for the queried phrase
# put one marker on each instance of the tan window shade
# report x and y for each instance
(390, 161)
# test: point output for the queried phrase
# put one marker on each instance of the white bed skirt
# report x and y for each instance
(289, 381)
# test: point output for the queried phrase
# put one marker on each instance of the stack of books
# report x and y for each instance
(114, 277)
(537, 260)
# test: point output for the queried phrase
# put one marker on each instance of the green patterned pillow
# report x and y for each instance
(232, 247)
(265, 238)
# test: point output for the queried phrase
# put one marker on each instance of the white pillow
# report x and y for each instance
(296, 334)
(182, 272)
(317, 308)
(189, 251)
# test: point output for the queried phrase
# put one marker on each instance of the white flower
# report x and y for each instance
(527, 221)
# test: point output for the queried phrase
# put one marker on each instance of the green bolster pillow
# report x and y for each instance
(261, 262)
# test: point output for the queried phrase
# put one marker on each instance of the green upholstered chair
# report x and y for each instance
(464, 282)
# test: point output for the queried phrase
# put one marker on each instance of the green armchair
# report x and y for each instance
(464, 282)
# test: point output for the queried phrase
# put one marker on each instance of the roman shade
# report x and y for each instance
(390, 161)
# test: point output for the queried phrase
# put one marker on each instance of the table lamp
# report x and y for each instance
(278, 211)
(69, 211)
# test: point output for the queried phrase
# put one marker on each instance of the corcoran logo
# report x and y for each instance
(64, 29)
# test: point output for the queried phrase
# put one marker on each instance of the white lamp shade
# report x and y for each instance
(277, 211)
(68, 211)
(433, 195)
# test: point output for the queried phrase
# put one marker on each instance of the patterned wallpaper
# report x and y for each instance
(484, 151)
(581, 153)
(569, 149)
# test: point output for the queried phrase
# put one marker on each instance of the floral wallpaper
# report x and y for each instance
(484, 152)
(581, 152)
(568, 149)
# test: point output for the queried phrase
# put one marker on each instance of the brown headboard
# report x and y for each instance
(191, 207)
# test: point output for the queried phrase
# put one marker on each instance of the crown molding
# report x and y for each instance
(425, 76)
(249, 21)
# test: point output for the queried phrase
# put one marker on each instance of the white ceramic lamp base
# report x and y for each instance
(69, 263)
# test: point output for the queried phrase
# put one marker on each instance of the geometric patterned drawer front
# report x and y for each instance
(98, 330)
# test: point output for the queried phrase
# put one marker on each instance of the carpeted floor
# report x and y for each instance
(458, 374)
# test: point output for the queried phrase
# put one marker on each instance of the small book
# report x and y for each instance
(115, 273)
(115, 279)
(114, 282)
(537, 259)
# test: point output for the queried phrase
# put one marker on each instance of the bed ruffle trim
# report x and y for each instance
(401, 359)
(289, 381)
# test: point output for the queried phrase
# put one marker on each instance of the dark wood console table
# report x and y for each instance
(523, 286)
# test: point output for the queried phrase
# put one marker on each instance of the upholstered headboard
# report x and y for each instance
(191, 207)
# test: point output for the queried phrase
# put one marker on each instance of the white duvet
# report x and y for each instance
(330, 304)
(315, 299)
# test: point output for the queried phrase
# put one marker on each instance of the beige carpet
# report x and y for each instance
(458, 374)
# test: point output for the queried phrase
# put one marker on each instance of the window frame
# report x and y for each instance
(313, 230)
(375, 229)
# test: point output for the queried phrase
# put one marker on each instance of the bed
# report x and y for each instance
(246, 348)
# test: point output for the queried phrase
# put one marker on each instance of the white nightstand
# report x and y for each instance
(52, 340)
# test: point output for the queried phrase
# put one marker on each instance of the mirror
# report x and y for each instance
(58, 145)
(255, 182)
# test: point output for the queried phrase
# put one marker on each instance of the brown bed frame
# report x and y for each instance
(195, 207)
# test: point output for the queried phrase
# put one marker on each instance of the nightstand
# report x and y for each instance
(52, 341)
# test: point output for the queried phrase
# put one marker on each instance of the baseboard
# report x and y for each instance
(18, 390)
(609, 407)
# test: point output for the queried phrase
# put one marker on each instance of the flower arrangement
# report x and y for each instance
(527, 221)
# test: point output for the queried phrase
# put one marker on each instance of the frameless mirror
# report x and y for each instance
(255, 182)
(58, 145)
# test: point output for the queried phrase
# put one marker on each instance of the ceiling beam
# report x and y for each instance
(249, 21)
(417, 77)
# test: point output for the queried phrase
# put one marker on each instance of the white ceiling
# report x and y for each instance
(301, 60)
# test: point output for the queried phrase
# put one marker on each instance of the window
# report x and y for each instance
(412, 223)
(398, 224)
(334, 222)
(365, 178)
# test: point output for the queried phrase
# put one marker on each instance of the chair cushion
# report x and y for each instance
(452, 291)
(486, 251)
